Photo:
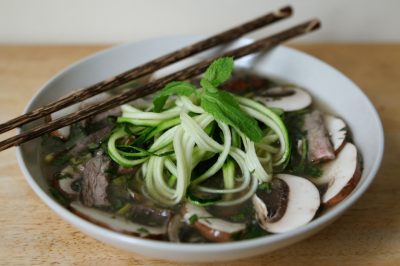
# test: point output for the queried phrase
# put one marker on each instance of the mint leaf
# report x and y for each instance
(224, 108)
(219, 71)
(174, 87)
(206, 84)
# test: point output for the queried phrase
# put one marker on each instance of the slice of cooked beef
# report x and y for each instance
(95, 182)
(319, 145)
(95, 137)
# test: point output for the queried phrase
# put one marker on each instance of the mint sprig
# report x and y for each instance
(173, 88)
(221, 104)
(218, 72)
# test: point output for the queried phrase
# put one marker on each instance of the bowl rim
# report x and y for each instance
(194, 248)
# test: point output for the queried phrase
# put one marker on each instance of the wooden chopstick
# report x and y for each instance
(147, 68)
(149, 88)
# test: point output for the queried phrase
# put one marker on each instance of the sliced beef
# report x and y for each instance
(95, 182)
(319, 145)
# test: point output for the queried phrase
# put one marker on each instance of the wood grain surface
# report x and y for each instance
(367, 234)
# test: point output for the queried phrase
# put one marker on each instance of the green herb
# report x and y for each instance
(264, 186)
(253, 230)
(307, 169)
(61, 159)
(172, 88)
(224, 108)
(221, 104)
(218, 72)
(124, 209)
(75, 135)
(246, 213)
(240, 217)
(143, 230)
(93, 146)
(193, 219)
(59, 197)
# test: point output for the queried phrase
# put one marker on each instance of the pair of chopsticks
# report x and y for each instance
(147, 68)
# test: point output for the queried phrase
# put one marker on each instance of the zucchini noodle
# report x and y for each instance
(172, 148)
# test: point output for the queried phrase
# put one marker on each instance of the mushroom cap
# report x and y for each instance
(275, 200)
(337, 131)
(65, 184)
(341, 175)
(213, 229)
(294, 98)
(303, 203)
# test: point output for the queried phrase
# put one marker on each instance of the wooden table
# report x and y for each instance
(368, 234)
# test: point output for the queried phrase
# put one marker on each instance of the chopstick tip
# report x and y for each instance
(313, 25)
(284, 11)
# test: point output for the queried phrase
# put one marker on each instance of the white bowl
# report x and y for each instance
(329, 86)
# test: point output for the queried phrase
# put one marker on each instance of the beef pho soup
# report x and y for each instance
(225, 157)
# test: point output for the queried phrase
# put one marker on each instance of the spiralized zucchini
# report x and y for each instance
(170, 145)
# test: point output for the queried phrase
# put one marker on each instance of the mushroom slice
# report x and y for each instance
(213, 229)
(274, 199)
(302, 204)
(116, 222)
(69, 176)
(286, 98)
(65, 185)
(337, 131)
(174, 226)
(340, 175)
(181, 232)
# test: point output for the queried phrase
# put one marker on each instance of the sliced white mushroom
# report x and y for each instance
(65, 186)
(340, 175)
(302, 204)
(213, 229)
(174, 227)
(116, 222)
(286, 98)
(65, 183)
(337, 131)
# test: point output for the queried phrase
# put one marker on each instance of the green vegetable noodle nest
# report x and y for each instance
(198, 124)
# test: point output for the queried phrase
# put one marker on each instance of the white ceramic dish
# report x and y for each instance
(329, 86)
